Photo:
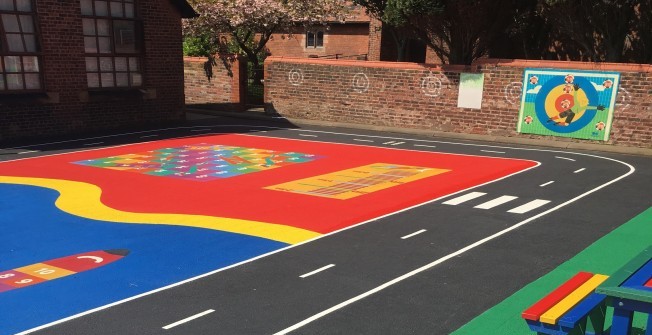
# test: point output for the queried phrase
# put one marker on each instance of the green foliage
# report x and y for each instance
(198, 46)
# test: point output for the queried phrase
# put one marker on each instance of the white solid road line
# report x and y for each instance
(317, 271)
(492, 151)
(546, 184)
(172, 325)
(534, 204)
(496, 202)
(464, 198)
(361, 140)
(566, 158)
(414, 234)
(580, 170)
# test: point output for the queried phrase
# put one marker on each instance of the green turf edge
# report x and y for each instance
(605, 256)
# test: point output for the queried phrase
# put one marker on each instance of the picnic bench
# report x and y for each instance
(572, 308)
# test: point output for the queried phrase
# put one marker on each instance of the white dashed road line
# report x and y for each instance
(413, 234)
(96, 143)
(534, 204)
(580, 170)
(566, 158)
(190, 318)
(496, 202)
(317, 271)
(425, 146)
(464, 198)
(492, 151)
(306, 135)
(546, 184)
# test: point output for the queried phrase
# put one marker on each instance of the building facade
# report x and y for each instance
(84, 65)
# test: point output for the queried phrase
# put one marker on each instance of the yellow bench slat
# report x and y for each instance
(556, 312)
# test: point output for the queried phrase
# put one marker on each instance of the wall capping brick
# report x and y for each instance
(375, 64)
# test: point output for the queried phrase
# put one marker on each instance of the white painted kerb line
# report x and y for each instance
(413, 234)
(546, 184)
(566, 158)
(464, 198)
(317, 271)
(196, 316)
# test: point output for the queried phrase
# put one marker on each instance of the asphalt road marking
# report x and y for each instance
(306, 135)
(425, 146)
(580, 170)
(190, 318)
(361, 140)
(546, 184)
(492, 151)
(464, 198)
(534, 204)
(496, 202)
(413, 234)
(317, 271)
(566, 158)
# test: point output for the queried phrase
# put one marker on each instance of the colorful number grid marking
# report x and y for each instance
(201, 162)
(358, 181)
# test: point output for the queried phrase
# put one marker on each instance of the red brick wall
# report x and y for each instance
(346, 39)
(327, 90)
(67, 106)
(224, 89)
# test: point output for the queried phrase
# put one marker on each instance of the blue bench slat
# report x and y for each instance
(584, 308)
(640, 277)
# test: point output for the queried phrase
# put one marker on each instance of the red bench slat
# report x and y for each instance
(534, 313)
(649, 284)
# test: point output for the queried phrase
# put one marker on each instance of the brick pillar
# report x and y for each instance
(375, 39)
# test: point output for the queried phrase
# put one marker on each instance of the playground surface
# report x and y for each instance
(254, 229)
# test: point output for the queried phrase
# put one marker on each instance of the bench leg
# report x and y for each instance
(595, 320)
(622, 322)
(648, 330)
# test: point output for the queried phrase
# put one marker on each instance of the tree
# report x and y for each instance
(250, 23)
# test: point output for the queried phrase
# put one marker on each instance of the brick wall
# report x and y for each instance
(346, 39)
(67, 106)
(393, 95)
(224, 89)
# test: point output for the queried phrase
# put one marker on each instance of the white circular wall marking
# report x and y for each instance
(513, 91)
(360, 82)
(431, 86)
(295, 77)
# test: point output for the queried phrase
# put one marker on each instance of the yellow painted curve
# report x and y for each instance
(83, 200)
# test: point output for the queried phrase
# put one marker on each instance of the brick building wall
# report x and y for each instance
(345, 39)
(224, 88)
(66, 105)
(395, 95)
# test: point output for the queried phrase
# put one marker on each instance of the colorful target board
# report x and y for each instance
(568, 103)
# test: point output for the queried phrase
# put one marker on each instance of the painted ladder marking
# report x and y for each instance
(492, 151)
(464, 198)
(398, 143)
(534, 204)
(172, 325)
(425, 146)
(413, 234)
(496, 202)
(317, 271)
(580, 170)
(546, 184)
(390, 142)
(566, 158)
(361, 140)
(96, 143)
(306, 135)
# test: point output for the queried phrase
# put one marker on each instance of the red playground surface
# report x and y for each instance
(320, 187)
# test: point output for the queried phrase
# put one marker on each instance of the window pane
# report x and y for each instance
(27, 23)
(136, 79)
(103, 28)
(15, 81)
(30, 43)
(6, 4)
(2, 82)
(32, 81)
(125, 36)
(116, 9)
(122, 80)
(93, 79)
(88, 26)
(320, 39)
(133, 64)
(121, 64)
(15, 42)
(30, 64)
(105, 45)
(106, 64)
(310, 39)
(87, 7)
(24, 5)
(129, 10)
(101, 8)
(107, 79)
(91, 64)
(90, 45)
(10, 22)
(12, 64)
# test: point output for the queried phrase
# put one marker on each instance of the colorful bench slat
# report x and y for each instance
(554, 313)
(648, 284)
(534, 313)
(580, 311)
